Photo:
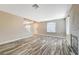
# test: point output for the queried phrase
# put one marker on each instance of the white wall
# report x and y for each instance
(12, 28)
(60, 27)
(74, 21)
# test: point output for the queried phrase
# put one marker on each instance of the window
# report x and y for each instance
(28, 25)
(28, 28)
(51, 27)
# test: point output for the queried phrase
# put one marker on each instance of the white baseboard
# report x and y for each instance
(14, 40)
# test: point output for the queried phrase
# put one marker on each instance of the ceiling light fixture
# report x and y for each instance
(35, 6)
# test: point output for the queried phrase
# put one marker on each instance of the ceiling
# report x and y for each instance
(45, 12)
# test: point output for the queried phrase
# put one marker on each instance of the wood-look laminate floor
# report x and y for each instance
(37, 45)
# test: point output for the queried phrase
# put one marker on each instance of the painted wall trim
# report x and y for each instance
(15, 40)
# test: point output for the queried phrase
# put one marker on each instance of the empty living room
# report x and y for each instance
(39, 29)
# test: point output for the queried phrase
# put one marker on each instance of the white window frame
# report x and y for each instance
(51, 27)
(28, 27)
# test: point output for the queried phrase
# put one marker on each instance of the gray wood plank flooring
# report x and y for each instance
(37, 45)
